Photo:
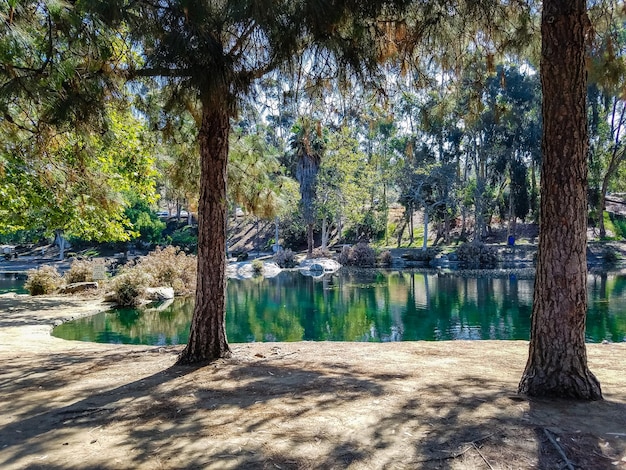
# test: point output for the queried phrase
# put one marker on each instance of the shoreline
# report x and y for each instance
(71, 404)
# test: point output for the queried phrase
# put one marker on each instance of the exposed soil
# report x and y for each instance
(445, 405)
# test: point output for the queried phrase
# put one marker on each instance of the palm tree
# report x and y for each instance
(308, 146)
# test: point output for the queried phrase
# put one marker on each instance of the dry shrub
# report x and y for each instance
(425, 256)
(129, 288)
(386, 258)
(321, 253)
(170, 267)
(361, 255)
(80, 271)
(44, 280)
(477, 255)
(285, 258)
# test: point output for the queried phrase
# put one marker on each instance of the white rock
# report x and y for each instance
(160, 293)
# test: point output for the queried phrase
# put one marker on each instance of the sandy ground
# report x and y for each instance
(412, 405)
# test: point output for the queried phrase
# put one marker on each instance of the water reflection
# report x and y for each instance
(10, 282)
(364, 306)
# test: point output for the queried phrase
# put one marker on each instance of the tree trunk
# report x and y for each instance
(59, 240)
(600, 209)
(325, 233)
(207, 337)
(557, 362)
(425, 244)
(411, 226)
(276, 233)
(310, 241)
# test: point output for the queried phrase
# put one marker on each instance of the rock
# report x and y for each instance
(318, 267)
(78, 287)
(271, 269)
(160, 293)
(243, 270)
(326, 265)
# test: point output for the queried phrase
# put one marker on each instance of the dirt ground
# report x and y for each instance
(411, 405)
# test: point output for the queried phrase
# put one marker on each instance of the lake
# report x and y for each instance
(360, 306)
(10, 282)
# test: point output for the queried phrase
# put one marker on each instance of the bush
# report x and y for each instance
(386, 258)
(361, 255)
(477, 255)
(620, 227)
(146, 223)
(321, 253)
(129, 288)
(425, 256)
(80, 271)
(186, 238)
(170, 267)
(257, 267)
(285, 258)
(344, 256)
(42, 281)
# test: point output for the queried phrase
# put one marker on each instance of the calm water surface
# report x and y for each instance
(370, 306)
(12, 283)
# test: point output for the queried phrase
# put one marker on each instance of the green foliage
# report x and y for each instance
(255, 176)
(185, 238)
(477, 255)
(257, 267)
(610, 226)
(144, 221)
(619, 226)
(75, 183)
(42, 281)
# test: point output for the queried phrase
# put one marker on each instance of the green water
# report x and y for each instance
(12, 283)
(370, 306)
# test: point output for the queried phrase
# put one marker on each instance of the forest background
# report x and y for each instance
(454, 132)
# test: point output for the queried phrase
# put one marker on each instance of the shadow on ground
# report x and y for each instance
(278, 412)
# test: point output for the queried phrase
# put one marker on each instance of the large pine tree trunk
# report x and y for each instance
(557, 362)
(207, 337)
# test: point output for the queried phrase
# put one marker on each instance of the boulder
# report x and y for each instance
(244, 270)
(319, 266)
(160, 293)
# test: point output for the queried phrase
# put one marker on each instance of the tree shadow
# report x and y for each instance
(156, 410)
(582, 434)
(272, 409)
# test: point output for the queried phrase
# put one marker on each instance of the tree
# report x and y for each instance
(214, 52)
(69, 145)
(607, 106)
(308, 146)
(557, 362)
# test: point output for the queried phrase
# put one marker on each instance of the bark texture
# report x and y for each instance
(306, 174)
(557, 363)
(207, 337)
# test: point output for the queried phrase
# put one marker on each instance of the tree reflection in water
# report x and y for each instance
(361, 306)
